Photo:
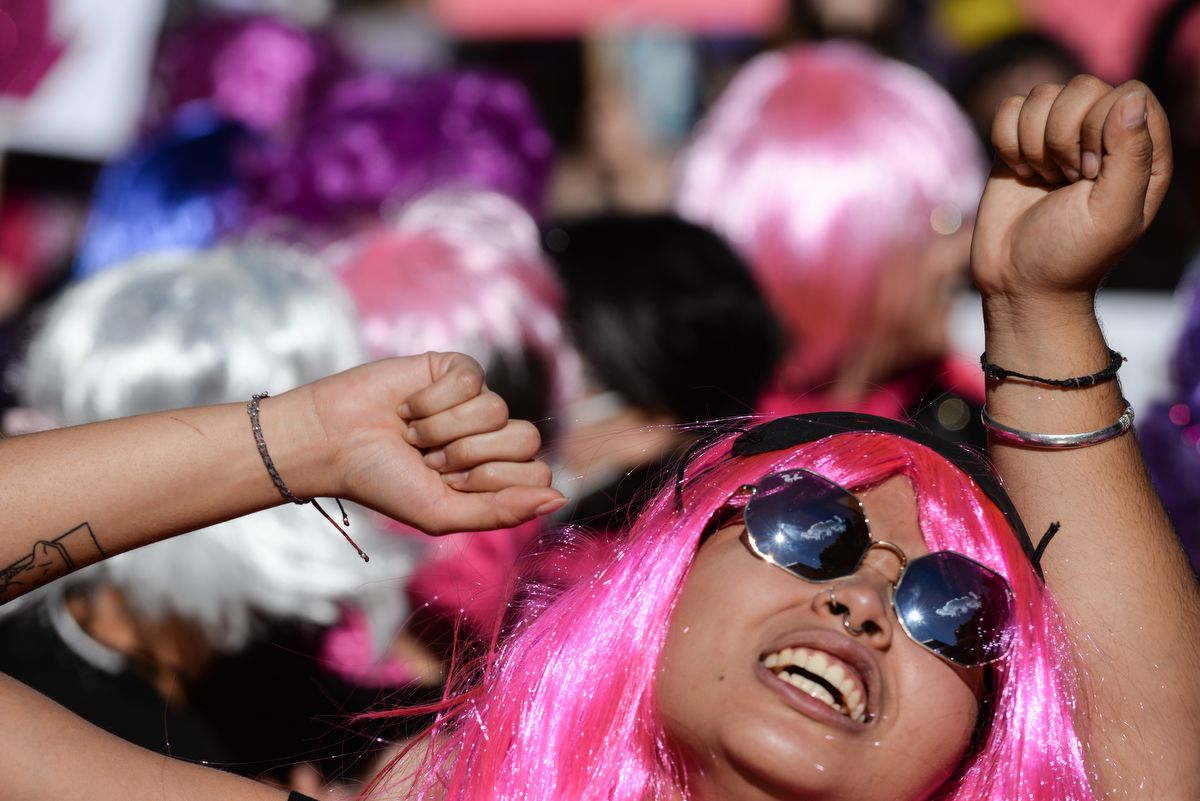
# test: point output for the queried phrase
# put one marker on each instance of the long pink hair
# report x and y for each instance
(823, 165)
(564, 706)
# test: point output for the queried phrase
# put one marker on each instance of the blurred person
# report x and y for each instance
(642, 295)
(130, 643)
(848, 182)
(1008, 66)
(260, 71)
(464, 269)
(376, 141)
(176, 190)
(1170, 431)
(1171, 67)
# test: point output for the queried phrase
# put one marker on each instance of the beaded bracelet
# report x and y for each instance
(261, 442)
(998, 373)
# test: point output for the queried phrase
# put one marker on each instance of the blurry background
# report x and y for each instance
(617, 83)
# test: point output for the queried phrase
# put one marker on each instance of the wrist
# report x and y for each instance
(298, 444)
(1033, 314)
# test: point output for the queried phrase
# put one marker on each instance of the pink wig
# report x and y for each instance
(462, 270)
(534, 725)
(823, 165)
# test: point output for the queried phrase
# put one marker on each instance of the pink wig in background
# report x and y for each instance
(259, 71)
(823, 165)
(565, 707)
(463, 270)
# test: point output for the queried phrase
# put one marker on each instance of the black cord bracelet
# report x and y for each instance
(997, 373)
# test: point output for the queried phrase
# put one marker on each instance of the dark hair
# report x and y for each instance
(666, 314)
(983, 65)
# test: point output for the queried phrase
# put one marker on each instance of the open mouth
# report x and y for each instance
(824, 677)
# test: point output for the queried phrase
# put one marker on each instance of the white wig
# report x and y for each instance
(181, 329)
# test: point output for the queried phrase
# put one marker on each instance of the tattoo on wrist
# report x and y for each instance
(49, 559)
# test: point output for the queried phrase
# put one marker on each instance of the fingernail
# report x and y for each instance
(550, 506)
(1024, 170)
(1091, 165)
(405, 411)
(436, 459)
(1071, 173)
(1133, 110)
(455, 478)
(412, 435)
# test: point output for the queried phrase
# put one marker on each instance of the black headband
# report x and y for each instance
(788, 432)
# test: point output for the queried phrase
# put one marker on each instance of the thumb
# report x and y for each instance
(1119, 197)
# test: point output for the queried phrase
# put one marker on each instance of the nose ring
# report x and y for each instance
(835, 605)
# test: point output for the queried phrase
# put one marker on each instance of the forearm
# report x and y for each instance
(73, 496)
(1126, 589)
(49, 754)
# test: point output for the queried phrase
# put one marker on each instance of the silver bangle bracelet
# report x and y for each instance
(1032, 439)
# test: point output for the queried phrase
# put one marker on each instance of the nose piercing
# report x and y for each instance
(835, 605)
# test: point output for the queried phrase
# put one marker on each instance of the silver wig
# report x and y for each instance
(179, 329)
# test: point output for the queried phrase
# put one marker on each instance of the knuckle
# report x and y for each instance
(1010, 105)
(527, 433)
(495, 408)
(469, 377)
(1044, 91)
(1088, 82)
(459, 452)
(486, 474)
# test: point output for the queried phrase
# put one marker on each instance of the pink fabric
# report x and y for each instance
(571, 17)
(347, 651)
(28, 49)
(469, 576)
(893, 399)
(1108, 35)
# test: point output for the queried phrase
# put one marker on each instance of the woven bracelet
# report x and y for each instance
(998, 373)
(261, 442)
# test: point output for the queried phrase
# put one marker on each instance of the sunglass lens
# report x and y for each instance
(807, 525)
(956, 608)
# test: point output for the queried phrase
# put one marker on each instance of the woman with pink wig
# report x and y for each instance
(831, 606)
(848, 182)
(462, 269)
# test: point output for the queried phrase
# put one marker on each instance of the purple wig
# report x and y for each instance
(825, 165)
(379, 140)
(1170, 433)
(533, 725)
(258, 71)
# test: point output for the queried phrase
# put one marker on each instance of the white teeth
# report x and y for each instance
(832, 670)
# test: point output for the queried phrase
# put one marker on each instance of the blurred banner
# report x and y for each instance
(75, 74)
(533, 18)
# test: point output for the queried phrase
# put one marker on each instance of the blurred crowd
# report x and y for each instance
(633, 223)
